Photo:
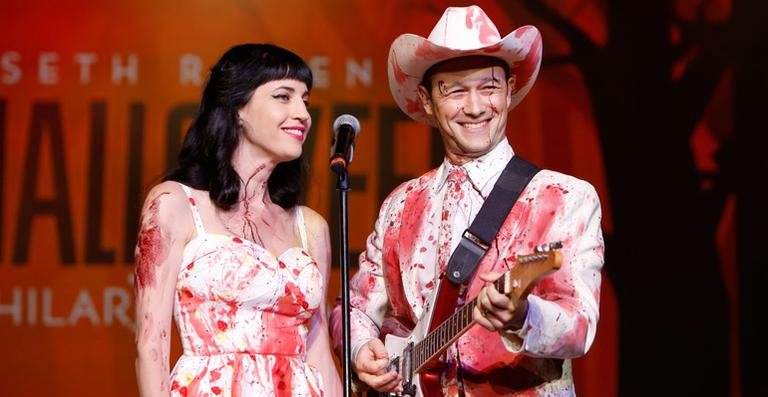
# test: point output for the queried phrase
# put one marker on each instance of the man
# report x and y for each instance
(464, 79)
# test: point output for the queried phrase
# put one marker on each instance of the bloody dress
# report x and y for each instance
(243, 316)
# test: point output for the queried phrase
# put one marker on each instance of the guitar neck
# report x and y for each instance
(519, 281)
(444, 335)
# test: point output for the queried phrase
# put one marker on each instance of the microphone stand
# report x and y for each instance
(343, 187)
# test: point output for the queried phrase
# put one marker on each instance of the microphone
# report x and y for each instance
(345, 129)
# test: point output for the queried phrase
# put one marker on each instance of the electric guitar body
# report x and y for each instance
(417, 356)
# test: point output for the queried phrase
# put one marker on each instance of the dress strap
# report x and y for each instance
(302, 227)
(195, 213)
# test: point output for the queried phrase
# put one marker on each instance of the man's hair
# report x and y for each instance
(426, 80)
(205, 158)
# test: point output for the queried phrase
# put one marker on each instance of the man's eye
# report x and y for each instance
(454, 92)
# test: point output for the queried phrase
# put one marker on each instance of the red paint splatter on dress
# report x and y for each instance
(283, 373)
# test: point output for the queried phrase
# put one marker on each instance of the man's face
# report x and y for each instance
(469, 101)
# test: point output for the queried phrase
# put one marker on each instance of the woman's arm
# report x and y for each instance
(319, 353)
(164, 230)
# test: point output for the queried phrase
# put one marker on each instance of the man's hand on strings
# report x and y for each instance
(372, 367)
(496, 311)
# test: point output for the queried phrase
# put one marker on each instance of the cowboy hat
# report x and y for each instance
(461, 31)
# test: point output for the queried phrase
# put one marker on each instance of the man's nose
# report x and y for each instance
(474, 104)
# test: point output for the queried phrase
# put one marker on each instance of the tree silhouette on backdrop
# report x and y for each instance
(650, 84)
(749, 171)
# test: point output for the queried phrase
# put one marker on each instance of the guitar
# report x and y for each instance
(417, 355)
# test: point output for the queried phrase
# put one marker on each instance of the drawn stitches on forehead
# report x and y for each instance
(444, 87)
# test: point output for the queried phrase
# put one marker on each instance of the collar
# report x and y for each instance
(480, 170)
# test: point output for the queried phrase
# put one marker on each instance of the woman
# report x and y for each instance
(225, 249)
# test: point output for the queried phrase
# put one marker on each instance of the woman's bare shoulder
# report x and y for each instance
(316, 223)
(169, 206)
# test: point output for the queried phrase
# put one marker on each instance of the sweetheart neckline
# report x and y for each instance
(231, 238)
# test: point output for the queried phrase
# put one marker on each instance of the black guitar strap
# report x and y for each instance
(478, 237)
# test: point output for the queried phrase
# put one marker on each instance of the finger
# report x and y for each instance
(376, 380)
(395, 385)
(496, 320)
(490, 316)
(482, 299)
(479, 316)
(514, 302)
(490, 276)
(379, 351)
(376, 367)
(385, 382)
(363, 357)
(496, 299)
(368, 363)
(491, 301)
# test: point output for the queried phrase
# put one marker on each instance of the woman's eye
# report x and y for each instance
(282, 97)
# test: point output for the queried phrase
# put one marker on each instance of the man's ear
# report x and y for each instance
(426, 100)
(511, 81)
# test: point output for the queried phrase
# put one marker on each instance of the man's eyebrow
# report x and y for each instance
(464, 82)
(490, 78)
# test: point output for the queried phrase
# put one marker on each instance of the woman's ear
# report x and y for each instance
(240, 121)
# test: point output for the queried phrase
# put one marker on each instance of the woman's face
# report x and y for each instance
(275, 120)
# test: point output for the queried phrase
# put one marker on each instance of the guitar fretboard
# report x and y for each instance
(459, 322)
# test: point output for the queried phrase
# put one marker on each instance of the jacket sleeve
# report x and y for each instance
(563, 308)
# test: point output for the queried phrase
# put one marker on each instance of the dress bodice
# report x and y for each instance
(243, 316)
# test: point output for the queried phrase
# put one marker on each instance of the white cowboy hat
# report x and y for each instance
(461, 31)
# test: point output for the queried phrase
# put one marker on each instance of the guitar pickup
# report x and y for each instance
(409, 389)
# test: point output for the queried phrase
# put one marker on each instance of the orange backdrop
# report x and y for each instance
(94, 98)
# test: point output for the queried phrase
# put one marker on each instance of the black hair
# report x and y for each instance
(205, 158)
